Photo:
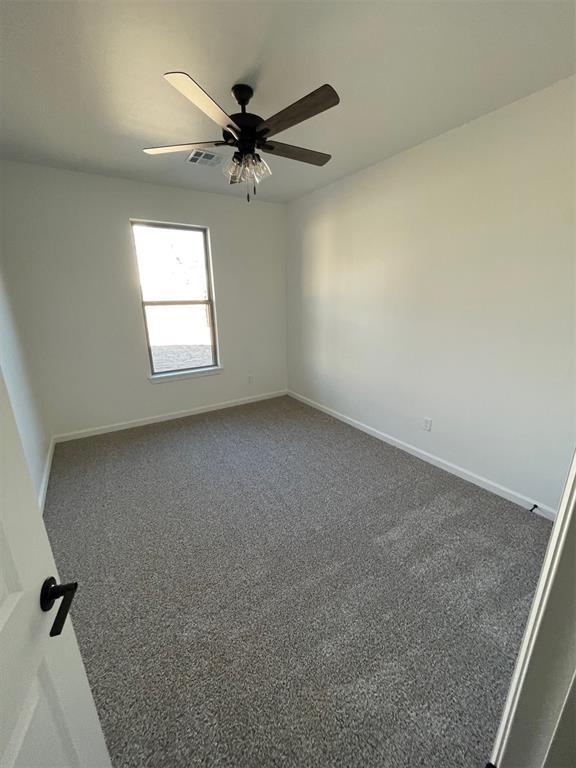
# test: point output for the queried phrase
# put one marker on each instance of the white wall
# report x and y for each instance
(33, 434)
(440, 284)
(72, 276)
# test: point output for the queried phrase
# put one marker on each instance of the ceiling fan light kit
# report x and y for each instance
(248, 133)
(248, 168)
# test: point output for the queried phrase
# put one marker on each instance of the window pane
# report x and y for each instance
(180, 337)
(171, 262)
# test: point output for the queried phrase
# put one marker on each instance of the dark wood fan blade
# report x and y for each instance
(198, 96)
(318, 101)
(183, 147)
(295, 153)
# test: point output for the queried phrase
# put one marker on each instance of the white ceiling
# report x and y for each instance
(82, 87)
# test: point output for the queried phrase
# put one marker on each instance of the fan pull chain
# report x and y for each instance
(248, 190)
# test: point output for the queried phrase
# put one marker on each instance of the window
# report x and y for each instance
(176, 286)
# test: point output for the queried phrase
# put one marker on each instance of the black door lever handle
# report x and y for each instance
(52, 591)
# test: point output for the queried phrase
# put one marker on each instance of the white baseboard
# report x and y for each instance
(165, 417)
(500, 490)
(46, 476)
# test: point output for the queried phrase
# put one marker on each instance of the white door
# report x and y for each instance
(47, 714)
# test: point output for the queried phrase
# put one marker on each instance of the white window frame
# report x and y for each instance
(181, 373)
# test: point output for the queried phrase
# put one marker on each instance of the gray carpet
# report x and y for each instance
(266, 586)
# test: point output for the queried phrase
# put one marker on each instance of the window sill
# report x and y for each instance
(158, 378)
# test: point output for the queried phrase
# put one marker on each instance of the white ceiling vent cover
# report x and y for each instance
(201, 157)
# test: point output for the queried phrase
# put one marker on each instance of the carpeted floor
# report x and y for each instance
(266, 586)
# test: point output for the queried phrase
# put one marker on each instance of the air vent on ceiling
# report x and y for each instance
(200, 157)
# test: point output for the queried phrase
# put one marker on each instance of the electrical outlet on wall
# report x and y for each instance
(427, 425)
(251, 379)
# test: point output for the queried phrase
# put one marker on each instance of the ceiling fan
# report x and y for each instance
(249, 133)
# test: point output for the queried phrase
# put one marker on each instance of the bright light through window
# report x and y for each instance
(173, 264)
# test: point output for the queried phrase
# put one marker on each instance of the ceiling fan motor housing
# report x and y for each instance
(246, 121)
(248, 137)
